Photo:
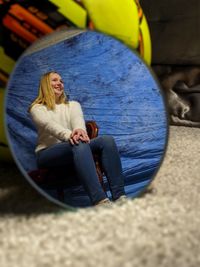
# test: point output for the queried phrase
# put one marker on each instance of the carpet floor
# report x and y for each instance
(156, 229)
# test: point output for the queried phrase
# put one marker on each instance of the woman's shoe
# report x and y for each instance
(121, 200)
(105, 202)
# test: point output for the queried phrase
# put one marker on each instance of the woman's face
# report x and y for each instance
(57, 84)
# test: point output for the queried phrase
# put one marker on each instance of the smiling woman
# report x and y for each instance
(51, 90)
(57, 85)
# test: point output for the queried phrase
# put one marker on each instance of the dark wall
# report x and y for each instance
(175, 30)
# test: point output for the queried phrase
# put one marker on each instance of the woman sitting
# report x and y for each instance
(63, 140)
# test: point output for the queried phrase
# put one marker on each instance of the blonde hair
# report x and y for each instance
(46, 94)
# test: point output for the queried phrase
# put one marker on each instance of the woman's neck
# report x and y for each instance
(57, 101)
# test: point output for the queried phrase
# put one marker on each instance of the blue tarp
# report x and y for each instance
(114, 87)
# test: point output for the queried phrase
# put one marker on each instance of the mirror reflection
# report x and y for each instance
(86, 120)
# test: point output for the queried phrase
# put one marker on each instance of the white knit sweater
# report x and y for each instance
(55, 126)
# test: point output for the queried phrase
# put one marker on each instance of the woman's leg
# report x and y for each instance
(86, 169)
(80, 156)
(111, 163)
(56, 156)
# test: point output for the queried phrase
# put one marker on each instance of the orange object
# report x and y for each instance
(91, 25)
(140, 11)
(23, 15)
(141, 44)
(24, 24)
(13, 25)
(3, 77)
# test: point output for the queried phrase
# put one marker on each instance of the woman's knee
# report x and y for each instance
(81, 146)
(108, 140)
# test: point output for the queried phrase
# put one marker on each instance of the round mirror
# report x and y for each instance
(86, 119)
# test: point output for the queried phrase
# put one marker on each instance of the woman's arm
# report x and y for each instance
(44, 122)
(78, 124)
(76, 116)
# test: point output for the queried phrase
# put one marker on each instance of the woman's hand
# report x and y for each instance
(77, 135)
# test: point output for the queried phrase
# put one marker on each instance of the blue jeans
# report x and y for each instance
(63, 154)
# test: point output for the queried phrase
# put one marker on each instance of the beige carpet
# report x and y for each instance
(161, 229)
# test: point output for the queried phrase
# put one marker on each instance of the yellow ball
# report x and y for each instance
(124, 20)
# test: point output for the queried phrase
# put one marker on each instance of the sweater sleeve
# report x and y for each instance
(76, 116)
(42, 121)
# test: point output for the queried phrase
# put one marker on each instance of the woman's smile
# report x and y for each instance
(57, 84)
